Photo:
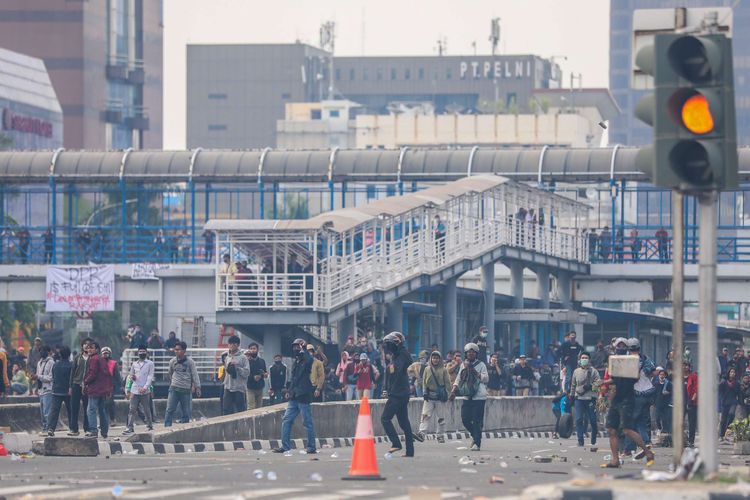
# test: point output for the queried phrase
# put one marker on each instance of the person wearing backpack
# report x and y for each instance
(471, 383)
(435, 383)
(583, 388)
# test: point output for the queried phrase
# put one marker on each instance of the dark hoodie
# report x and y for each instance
(434, 376)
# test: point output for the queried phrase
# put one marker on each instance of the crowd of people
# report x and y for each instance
(86, 382)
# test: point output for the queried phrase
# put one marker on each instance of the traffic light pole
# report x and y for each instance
(707, 357)
(678, 289)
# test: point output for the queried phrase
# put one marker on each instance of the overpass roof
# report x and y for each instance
(347, 218)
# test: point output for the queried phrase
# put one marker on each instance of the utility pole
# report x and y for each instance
(678, 323)
(495, 40)
(328, 43)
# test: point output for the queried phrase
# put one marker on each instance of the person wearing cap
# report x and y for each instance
(300, 396)
(523, 376)
(397, 391)
(620, 415)
(481, 340)
(645, 393)
(471, 383)
(256, 381)
(366, 374)
(317, 375)
(236, 372)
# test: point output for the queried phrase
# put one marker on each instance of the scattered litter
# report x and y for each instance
(607, 458)
(550, 442)
(542, 460)
(316, 477)
(117, 491)
(496, 480)
(690, 464)
(540, 451)
(334, 455)
(271, 476)
(741, 488)
(563, 459)
(593, 449)
(302, 452)
(326, 446)
(288, 453)
(469, 471)
(16, 458)
(262, 452)
(388, 456)
(400, 477)
(258, 474)
(466, 461)
(558, 472)
(462, 448)
(504, 465)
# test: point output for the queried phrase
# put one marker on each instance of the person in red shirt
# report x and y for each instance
(691, 401)
(98, 387)
(366, 374)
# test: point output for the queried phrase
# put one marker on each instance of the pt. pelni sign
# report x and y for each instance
(494, 69)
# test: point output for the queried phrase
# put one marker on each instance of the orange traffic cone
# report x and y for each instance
(364, 461)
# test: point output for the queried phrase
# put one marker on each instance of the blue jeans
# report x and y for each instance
(642, 420)
(292, 410)
(185, 399)
(587, 407)
(45, 404)
(97, 406)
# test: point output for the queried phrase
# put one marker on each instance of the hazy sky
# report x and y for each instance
(578, 29)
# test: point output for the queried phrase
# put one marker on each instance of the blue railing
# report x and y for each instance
(659, 250)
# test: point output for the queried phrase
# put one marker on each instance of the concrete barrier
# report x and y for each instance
(339, 419)
(26, 417)
(18, 442)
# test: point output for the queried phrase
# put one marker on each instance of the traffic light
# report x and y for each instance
(691, 111)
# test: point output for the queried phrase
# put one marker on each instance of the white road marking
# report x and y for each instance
(171, 492)
(257, 493)
(30, 488)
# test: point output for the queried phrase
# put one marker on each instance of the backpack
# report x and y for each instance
(468, 386)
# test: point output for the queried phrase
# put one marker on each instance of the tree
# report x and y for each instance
(6, 142)
(295, 207)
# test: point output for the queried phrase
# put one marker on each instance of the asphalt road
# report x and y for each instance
(232, 475)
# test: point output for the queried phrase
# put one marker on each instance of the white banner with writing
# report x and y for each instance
(80, 288)
(146, 271)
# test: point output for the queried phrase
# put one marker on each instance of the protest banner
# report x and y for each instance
(80, 288)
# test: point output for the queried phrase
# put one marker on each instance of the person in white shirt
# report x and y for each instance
(142, 375)
(43, 380)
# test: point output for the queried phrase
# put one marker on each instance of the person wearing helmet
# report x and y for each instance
(621, 411)
(300, 396)
(471, 383)
(397, 391)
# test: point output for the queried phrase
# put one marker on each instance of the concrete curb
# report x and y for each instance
(108, 448)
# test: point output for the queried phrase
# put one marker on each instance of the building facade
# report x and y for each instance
(627, 129)
(237, 93)
(104, 60)
(30, 114)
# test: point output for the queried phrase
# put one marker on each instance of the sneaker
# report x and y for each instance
(42, 433)
(73, 433)
(419, 436)
(128, 431)
(90, 435)
(51, 434)
(441, 439)
(150, 427)
(279, 450)
(643, 452)
(105, 436)
(581, 444)
(311, 451)
(474, 447)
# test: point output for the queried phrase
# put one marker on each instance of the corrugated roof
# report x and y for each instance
(25, 79)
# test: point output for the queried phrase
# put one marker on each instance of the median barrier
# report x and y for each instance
(339, 419)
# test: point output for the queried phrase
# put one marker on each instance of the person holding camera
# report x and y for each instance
(300, 396)
(471, 383)
(236, 372)
(495, 387)
(435, 382)
(584, 383)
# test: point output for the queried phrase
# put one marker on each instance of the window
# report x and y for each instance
(365, 76)
(351, 74)
(448, 73)
(315, 114)
(421, 74)
(217, 127)
(334, 113)
(407, 74)
(338, 74)
(379, 74)
(286, 95)
(393, 73)
(217, 96)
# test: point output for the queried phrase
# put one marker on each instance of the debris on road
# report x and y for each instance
(496, 480)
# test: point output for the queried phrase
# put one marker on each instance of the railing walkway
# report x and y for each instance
(327, 262)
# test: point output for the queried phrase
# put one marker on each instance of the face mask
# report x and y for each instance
(483, 334)
(253, 354)
(621, 352)
(142, 355)
(584, 362)
(687, 351)
(277, 362)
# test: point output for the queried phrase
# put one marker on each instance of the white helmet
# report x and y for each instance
(471, 346)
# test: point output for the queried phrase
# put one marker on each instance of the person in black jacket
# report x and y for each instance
(278, 380)
(300, 396)
(570, 350)
(397, 391)
(729, 394)
(60, 389)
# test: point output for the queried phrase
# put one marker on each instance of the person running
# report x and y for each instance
(97, 385)
(620, 413)
(397, 393)
(436, 383)
(300, 396)
(142, 375)
(471, 383)
(583, 390)
(60, 389)
(183, 382)
(236, 372)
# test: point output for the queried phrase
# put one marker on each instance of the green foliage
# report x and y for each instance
(741, 430)
(295, 207)
(491, 107)
(108, 330)
(6, 142)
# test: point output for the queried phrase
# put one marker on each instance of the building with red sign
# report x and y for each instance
(30, 114)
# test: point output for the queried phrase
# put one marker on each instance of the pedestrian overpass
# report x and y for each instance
(327, 268)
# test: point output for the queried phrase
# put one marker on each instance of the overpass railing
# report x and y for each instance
(659, 250)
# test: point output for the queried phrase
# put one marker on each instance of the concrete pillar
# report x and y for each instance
(271, 343)
(516, 290)
(564, 289)
(450, 315)
(488, 289)
(542, 287)
(125, 314)
(395, 312)
(347, 327)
